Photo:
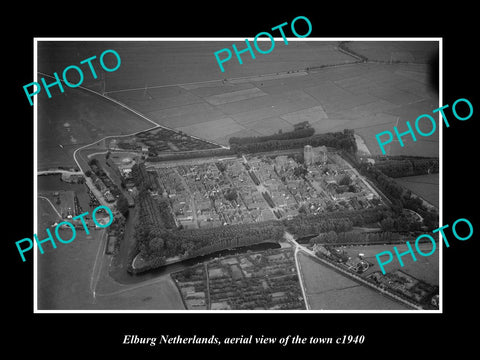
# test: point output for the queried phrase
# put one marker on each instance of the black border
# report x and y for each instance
(102, 334)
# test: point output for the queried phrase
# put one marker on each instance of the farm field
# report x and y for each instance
(49, 184)
(46, 215)
(159, 293)
(62, 200)
(394, 51)
(75, 118)
(66, 281)
(179, 85)
(327, 289)
(425, 186)
(159, 63)
(65, 274)
(367, 97)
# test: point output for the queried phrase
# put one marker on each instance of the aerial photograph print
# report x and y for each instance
(191, 175)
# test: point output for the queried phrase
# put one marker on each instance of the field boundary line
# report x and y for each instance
(269, 76)
(95, 271)
(156, 125)
(54, 208)
(361, 281)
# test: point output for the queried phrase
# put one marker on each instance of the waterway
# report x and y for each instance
(119, 273)
(124, 277)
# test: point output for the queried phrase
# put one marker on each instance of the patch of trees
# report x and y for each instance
(154, 212)
(193, 154)
(268, 199)
(144, 179)
(166, 139)
(430, 219)
(254, 177)
(339, 221)
(295, 134)
(401, 166)
(355, 237)
(122, 205)
(193, 242)
(361, 217)
(230, 194)
(300, 171)
(339, 140)
(343, 46)
(400, 199)
(128, 146)
(154, 219)
(307, 224)
(345, 180)
(400, 223)
(221, 166)
(392, 190)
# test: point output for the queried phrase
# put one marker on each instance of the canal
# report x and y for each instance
(121, 275)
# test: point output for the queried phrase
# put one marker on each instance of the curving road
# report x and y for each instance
(53, 206)
(289, 237)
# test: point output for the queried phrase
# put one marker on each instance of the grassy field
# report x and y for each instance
(369, 98)
(394, 51)
(179, 85)
(155, 63)
(75, 118)
(65, 274)
(66, 280)
(327, 289)
(46, 215)
(425, 186)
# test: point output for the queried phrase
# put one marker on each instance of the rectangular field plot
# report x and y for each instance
(394, 96)
(311, 114)
(256, 114)
(217, 88)
(186, 115)
(368, 110)
(327, 125)
(327, 91)
(356, 84)
(147, 93)
(327, 289)
(411, 111)
(341, 72)
(237, 107)
(235, 96)
(416, 76)
(270, 125)
(150, 104)
(213, 129)
(334, 98)
(166, 91)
